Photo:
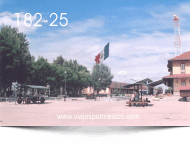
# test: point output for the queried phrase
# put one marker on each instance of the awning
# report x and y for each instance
(177, 76)
(184, 88)
(132, 85)
(35, 87)
(156, 83)
(145, 81)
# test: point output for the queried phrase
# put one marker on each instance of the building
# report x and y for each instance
(114, 88)
(185, 92)
(179, 68)
(140, 86)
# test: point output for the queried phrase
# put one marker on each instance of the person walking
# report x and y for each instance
(65, 98)
(133, 96)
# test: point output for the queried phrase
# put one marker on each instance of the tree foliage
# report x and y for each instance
(17, 64)
(101, 77)
(59, 60)
(40, 72)
(14, 56)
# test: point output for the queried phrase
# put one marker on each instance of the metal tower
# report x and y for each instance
(177, 41)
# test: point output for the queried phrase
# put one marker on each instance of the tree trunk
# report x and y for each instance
(4, 90)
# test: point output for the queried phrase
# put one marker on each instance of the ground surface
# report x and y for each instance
(169, 111)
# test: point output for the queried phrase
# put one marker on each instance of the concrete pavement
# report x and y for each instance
(169, 111)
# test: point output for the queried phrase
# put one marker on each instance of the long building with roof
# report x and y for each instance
(114, 88)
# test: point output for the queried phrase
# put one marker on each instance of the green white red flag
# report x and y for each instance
(102, 55)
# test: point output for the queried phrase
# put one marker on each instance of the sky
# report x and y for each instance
(140, 33)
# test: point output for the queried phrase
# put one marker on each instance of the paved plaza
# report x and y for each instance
(169, 111)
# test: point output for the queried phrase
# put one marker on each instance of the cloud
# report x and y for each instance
(8, 18)
(122, 72)
(142, 57)
(157, 18)
(139, 55)
(84, 27)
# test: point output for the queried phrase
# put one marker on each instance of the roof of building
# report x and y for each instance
(177, 76)
(135, 84)
(184, 88)
(183, 56)
(114, 83)
(124, 84)
(156, 83)
(145, 81)
(35, 87)
(139, 83)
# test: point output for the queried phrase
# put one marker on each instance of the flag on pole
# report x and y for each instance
(97, 59)
(106, 51)
(103, 54)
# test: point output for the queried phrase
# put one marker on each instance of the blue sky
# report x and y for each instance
(140, 32)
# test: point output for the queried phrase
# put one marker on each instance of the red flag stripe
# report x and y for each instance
(97, 58)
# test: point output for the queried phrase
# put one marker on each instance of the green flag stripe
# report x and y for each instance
(106, 51)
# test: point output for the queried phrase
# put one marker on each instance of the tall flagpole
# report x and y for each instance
(100, 58)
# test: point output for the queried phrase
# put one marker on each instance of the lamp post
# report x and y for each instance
(65, 87)
(99, 87)
(48, 86)
(65, 83)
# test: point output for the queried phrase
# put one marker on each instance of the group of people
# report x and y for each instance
(134, 96)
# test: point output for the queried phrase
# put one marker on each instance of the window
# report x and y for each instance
(176, 80)
(183, 83)
(182, 66)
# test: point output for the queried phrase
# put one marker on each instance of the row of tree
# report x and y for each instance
(17, 64)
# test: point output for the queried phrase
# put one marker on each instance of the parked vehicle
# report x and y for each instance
(30, 94)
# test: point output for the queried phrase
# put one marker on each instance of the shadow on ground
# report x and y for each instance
(183, 100)
(149, 105)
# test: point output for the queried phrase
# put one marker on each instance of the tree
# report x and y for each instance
(84, 79)
(59, 60)
(15, 58)
(101, 77)
(78, 77)
(170, 89)
(41, 72)
(56, 76)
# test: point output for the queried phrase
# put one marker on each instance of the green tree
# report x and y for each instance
(59, 60)
(170, 89)
(15, 58)
(78, 77)
(41, 72)
(101, 77)
(56, 77)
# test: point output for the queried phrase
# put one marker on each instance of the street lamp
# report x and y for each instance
(99, 87)
(65, 83)
(48, 86)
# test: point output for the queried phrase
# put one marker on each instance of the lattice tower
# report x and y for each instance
(177, 40)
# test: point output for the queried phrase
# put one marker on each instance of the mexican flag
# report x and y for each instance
(104, 53)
